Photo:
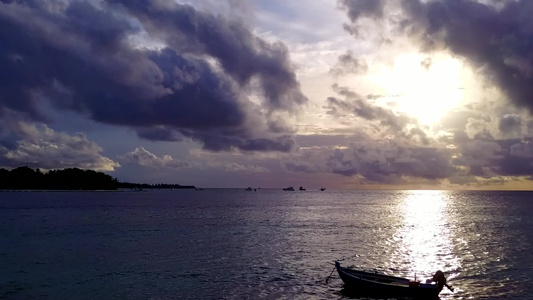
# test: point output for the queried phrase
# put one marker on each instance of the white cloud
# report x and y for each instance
(45, 148)
(143, 157)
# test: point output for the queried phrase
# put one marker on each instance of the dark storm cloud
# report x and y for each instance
(283, 144)
(510, 123)
(392, 161)
(496, 39)
(428, 163)
(80, 57)
(337, 164)
(486, 157)
(389, 163)
(518, 159)
(240, 53)
(375, 161)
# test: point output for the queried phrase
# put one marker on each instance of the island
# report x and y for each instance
(26, 178)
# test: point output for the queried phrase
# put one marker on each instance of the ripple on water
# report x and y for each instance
(223, 244)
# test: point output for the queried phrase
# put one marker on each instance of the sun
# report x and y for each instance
(425, 88)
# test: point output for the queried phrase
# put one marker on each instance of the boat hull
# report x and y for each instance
(370, 284)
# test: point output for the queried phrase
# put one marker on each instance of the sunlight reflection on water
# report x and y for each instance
(425, 238)
(270, 244)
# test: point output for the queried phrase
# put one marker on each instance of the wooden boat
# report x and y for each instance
(374, 284)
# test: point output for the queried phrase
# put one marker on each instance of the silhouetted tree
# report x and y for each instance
(4, 177)
(25, 178)
(67, 179)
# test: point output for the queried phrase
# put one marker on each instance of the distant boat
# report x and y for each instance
(290, 188)
(323, 189)
(249, 189)
(302, 188)
(376, 284)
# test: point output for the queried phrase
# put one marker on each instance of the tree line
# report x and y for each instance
(26, 178)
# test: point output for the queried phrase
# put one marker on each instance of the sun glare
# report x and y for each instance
(424, 88)
(426, 236)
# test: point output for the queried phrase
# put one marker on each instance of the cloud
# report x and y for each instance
(493, 37)
(426, 63)
(347, 63)
(40, 146)
(300, 166)
(486, 157)
(496, 40)
(337, 164)
(143, 157)
(192, 77)
(236, 167)
(390, 164)
(159, 133)
(241, 54)
(367, 160)
(510, 123)
(386, 121)
(362, 8)
(361, 107)
(516, 163)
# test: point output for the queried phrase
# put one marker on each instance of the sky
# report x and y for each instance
(342, 94)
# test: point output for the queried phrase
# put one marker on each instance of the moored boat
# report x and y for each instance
(375, 284)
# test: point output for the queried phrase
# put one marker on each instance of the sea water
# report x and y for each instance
(263, 244)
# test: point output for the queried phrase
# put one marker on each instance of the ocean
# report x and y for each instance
(264, 244)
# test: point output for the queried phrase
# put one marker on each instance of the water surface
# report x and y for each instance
(267, 244)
